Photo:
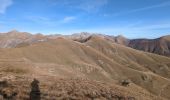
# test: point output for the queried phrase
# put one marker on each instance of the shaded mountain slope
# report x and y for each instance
(159, 46)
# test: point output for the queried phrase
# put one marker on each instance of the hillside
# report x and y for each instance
(95, 59)
(13, 38)
(159, 46)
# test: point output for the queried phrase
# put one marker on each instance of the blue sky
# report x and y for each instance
(131, 18)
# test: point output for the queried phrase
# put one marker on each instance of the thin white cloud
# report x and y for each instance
(92, 5)
(69, 19)
(41, 20)
(84, 5)
(164, 4)
(37, 18)
(4, 4)
(50, 21)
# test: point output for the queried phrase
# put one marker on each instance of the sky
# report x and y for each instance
(130, 18)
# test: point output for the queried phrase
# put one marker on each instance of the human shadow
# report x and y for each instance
(35, 93)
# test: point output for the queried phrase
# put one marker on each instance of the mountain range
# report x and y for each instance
(84, 66)
(159, 46)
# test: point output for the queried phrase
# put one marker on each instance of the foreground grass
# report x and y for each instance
(65, 89)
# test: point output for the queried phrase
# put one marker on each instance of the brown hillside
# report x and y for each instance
(96, 59)
(159, 46)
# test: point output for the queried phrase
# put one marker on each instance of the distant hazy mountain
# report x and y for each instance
(14, 38)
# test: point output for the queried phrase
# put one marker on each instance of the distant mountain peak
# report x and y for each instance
(13, 31)
(120, 36)
(82, 34)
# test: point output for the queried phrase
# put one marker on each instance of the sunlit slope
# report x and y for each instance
(95, 59)
(147, 70)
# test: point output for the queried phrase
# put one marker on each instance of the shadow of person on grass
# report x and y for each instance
(35, 93)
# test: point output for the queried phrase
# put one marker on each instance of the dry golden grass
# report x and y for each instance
(69, 89)
(96, 59)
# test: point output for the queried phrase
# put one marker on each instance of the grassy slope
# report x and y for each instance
(147, 70)
(97, 59)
